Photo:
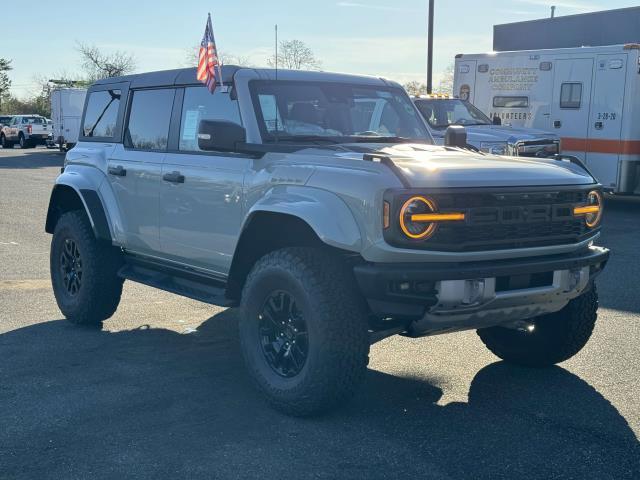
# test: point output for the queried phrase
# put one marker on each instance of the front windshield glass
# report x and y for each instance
(440, 113)
(334, 112)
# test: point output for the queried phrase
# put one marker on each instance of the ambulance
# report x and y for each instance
(588, 96)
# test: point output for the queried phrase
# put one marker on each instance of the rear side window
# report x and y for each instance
(101, 115)
(510, 102)
(198, 105)
(33, 120)
(570, 95)
(149, 118)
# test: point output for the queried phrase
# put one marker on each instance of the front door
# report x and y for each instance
(570, 104)
(135, 168)
(201, 201)
(605, 124)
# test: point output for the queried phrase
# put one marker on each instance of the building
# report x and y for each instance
(609, 27)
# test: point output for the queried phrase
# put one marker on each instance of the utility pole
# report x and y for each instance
(553, 11)
(430, 50)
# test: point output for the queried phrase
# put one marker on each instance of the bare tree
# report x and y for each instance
(446, 80)
(415, 88)
(295, 55)
(5, 81)
(98, 64)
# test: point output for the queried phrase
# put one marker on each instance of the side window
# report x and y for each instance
(270, 112)
(510, 102)
(570, 95)
(199, 104)
(361, 115)
(149, 117)
(389, 121)
(101, 115)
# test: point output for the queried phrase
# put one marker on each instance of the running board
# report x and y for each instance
(187, 284)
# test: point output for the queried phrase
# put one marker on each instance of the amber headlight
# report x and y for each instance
(419, 217)
(592, 211)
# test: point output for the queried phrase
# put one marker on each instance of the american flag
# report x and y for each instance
(208, 59)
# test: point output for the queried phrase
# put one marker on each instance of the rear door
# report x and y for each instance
(135, 167)
(570, 103)
(605, 125)
(465, 80)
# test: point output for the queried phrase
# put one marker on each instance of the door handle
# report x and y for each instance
(557, 124)
(118, 171)
(173, 177)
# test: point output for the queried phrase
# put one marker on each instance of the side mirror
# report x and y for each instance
(220, 135)
(455, 136)
(496, 120)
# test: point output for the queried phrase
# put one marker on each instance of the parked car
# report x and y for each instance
(586, 95)
(25, 130)
(485, 134)
(329, 229)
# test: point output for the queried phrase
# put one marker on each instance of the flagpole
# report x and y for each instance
(216, 46)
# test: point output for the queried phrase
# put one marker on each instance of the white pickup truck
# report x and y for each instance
(25, 130)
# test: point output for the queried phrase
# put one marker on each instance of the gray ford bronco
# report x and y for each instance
(331, 222)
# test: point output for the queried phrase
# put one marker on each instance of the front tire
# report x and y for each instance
(83, 271)
(303, 330)
(554, 338)
(5, 143)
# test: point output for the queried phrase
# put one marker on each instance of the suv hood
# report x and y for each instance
(501, 133)
(433, 166)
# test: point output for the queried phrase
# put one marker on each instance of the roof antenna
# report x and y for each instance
(275, 99)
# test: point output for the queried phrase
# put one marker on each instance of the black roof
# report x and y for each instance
(166, 78)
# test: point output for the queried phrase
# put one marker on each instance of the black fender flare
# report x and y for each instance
(65, 198)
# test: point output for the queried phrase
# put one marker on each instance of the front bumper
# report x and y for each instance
(434, 297)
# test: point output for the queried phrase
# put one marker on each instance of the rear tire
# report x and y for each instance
(23, 142)
(555, 338)
(308, 296)
(83, 271)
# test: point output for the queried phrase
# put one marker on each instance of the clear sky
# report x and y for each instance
(375, 37)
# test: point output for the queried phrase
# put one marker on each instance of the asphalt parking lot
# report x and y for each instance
(160, 391)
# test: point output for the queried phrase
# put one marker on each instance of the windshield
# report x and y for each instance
(335, 112)
(440, 113)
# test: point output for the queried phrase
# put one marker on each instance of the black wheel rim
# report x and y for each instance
(283, 334)
(71, 267)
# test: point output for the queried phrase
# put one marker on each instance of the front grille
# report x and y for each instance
(506, 219)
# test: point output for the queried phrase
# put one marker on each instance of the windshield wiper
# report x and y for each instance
(382, 139)
(300, 138)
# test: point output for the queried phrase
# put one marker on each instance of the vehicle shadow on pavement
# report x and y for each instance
(152, 403)
(32, 158)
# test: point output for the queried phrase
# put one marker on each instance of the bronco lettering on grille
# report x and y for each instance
(519, 214)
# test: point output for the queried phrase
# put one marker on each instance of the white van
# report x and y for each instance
(589, 96)
(66, 111)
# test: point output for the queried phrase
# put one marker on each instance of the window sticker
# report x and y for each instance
(190, 128)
